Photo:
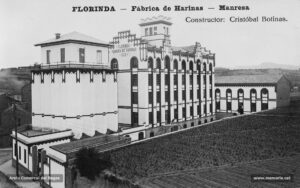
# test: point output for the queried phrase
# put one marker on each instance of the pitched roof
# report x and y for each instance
(73, 36)
(248, 79)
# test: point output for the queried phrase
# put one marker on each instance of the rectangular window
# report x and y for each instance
(150, 118)
(24, 156)
(135, 118)
(158, 97)
(204, 93)
(155, 30)
(204, 79)
(210, 79)
(176, 113)
(146, 32)
(158, 80)
(167, 116)
(150, 97)
(158, 117)
(183, 79)
(62, 55)
(198, 79)
(175, 95)
(151, 32)
(191, 80)
(183, 95)
(150, 79)
(19, 152)
(210, 108)
(48, 56)
(167, 79)
(134, 97)
(183, 113)
(198, 93)
(134, 80)
(81, 55)
(198, 109)
(175, 80)
(205, 109)
(191, 94)
(99, 56)
(191, 111)
(167, 96)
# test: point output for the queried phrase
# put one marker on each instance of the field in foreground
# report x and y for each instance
(248, 138)
(229, 176)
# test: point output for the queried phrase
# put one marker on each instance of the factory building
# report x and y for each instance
(160, 84)
(252, 93)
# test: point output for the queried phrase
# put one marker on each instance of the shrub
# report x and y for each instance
(89, 163)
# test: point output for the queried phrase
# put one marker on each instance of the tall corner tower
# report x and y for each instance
(156, 31)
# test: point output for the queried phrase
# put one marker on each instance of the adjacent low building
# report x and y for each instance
(253, 93)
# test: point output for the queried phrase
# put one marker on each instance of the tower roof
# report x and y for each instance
(74, 37)
(156, 20)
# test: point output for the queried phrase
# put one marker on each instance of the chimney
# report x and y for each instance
(57, 35)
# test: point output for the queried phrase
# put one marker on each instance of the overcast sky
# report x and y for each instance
(25, 23)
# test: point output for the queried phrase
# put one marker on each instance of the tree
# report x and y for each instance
(90, 164)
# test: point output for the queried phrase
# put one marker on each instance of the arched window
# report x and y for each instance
(228, 99)
(264, 99)
(175, 64)
(158, 63)
(204, 66)
(167, 62)
(141, 135)
(114, 64)
(240, 95)
(183, 65)
(218, 97)
(199, 65)
(150, 63)
(210, 67)
(134, 63)
(253, 96)
(191, 65)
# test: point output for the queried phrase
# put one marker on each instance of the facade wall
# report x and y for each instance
(57, 169)
(272, 97)
(153, 81)
(72, 53)
(75, 105)
(23, 148)
(23, 151)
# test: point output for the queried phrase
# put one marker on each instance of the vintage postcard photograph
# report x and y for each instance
(149, 94)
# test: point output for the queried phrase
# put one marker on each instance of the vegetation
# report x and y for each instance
(246, 138)
(85, 161)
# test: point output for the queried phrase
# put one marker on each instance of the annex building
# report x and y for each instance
(131, 87)
(253, 93)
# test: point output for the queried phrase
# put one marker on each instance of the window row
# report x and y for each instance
(175, 79)
(175, 111)
(81, 55)
(175, 64)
